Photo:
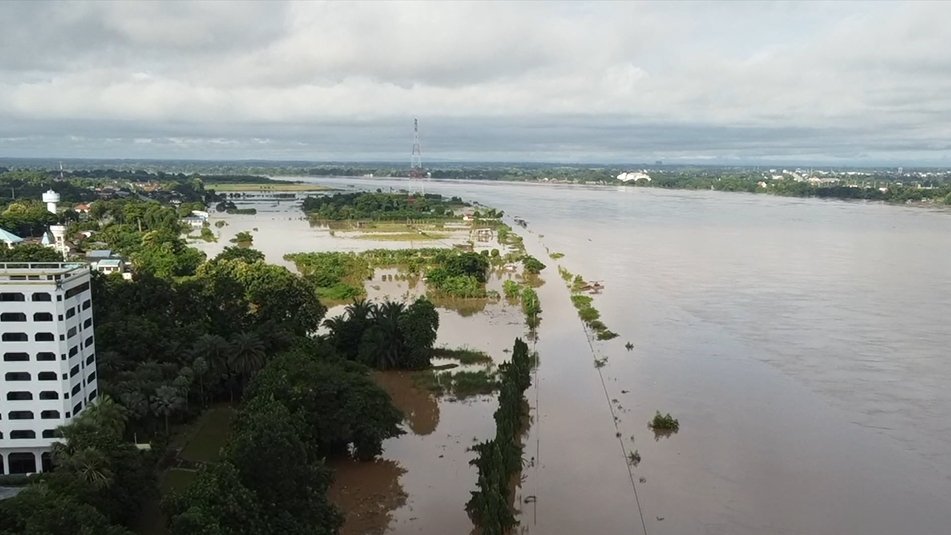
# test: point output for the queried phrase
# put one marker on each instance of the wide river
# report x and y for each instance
(804, 345)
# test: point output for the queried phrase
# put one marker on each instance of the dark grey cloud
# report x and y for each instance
(518, 81)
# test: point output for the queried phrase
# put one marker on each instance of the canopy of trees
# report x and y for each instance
(386, 335)
(99, 484)
(29, 252)
(380, 206)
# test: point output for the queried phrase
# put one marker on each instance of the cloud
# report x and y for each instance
(554, 81)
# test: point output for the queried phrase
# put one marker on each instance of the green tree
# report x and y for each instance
(291, 483)
(29, 252)
(216, 503)
(339, 407)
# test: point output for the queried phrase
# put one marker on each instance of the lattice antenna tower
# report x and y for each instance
(416, 158)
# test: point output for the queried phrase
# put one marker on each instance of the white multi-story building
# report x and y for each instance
(48, 371)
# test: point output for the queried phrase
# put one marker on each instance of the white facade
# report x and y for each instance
(51, 198)
(48, 366)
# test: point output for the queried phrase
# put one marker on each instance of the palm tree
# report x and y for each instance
(90, 465)
(200, 367)
(360, 310)
(214, 349)
(165, 402)
(386, 318)
(247, 355)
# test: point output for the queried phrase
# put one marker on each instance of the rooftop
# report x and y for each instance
(39, 271)
(99, 253)
(9, 237)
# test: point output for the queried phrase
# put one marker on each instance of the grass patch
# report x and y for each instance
(402, 236)
(463, 355)
(176, 480)
(556, 256)
(473, 383)
(208, 434)
(461, 384)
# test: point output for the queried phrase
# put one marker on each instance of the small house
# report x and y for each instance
(110, 265)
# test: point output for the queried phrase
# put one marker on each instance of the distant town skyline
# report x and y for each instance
(731, 83)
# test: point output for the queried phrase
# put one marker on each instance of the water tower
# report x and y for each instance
(51, 198)
(59, 237)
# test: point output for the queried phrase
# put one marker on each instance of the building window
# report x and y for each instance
(42, 316)
(17, 376)
(92, 395)
(44, 356)
(46, 376)
(90, 359)
(71, 312)
(12, 296)
(13, 316)
(78, 407)
(20, 415)
(52, 433)
(91, 377)
(73, 350)
(71, 332)
(76, 290)
(86, 304)
(44, 337)
(41, 296)
(15, 337)
(76, 389)
(88, 342)
(49, 415)
(88, 323)
(74, 371)
(49, 394)
(16, 357)
(19, 396)
(22, 433)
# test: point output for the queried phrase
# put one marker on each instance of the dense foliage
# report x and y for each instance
(386, 335)
(381, 206)
(459, 275)
(29, 252)
(336, 276)
(500, 459)
(99, 484)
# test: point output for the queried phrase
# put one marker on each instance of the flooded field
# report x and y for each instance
(802, 345)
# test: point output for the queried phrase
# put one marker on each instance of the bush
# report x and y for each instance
(511, 289)
(532, 264)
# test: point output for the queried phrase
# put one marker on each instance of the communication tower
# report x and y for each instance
(416, 158)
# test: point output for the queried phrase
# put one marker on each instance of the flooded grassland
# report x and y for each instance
(423, 479)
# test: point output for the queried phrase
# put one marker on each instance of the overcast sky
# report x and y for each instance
(613, 82)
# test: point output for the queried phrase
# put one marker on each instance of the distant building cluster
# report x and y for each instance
(54, 237)
(634, 176)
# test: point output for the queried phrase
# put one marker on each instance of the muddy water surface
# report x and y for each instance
(802, 344)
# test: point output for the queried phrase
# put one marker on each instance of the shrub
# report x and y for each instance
(664, 422)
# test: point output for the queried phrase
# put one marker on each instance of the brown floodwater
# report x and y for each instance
(802, 344)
